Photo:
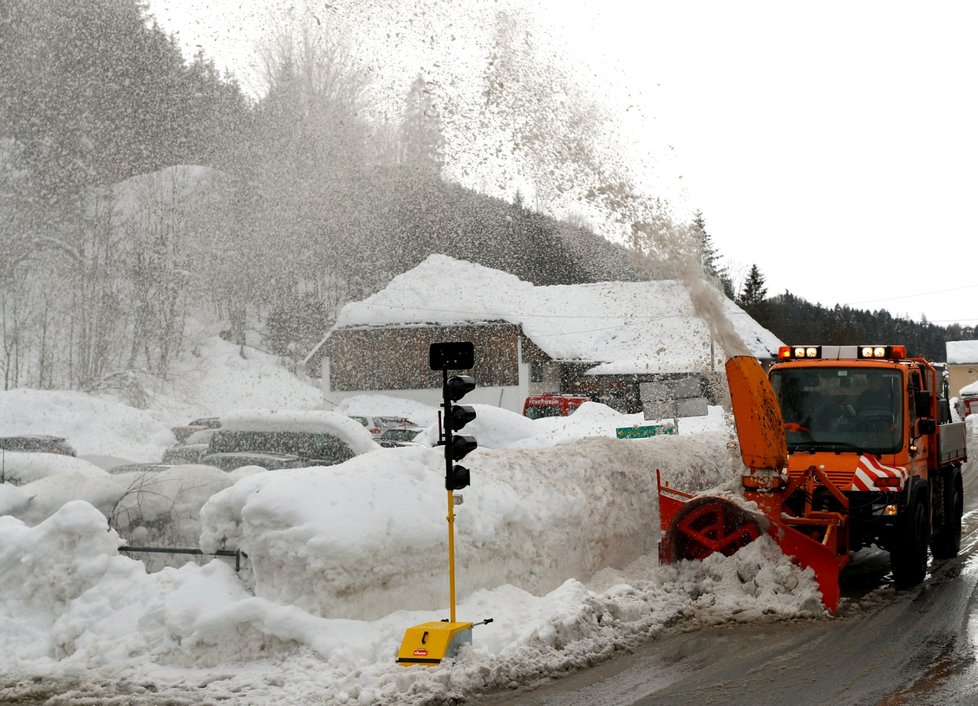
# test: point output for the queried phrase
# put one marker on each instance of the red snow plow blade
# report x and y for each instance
(695, 527)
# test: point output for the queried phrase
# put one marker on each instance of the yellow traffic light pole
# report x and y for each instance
(429, 643)
(451, 554)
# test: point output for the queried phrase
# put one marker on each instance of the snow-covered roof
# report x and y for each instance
(959, 352)
(622, 327)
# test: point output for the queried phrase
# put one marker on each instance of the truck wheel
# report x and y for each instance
(908, 554)
(947, 541)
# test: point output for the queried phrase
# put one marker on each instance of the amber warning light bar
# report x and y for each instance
(842, 352)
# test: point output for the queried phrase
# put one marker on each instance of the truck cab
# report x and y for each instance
(876, 424)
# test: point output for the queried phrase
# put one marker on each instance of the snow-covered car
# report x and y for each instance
(317, 437)
(190, 451)
(967, 402)
(183, 431)
(37, 443)
(23, 467)
(552, 405)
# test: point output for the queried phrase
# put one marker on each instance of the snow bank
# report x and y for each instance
(368, 537)
(72, 601)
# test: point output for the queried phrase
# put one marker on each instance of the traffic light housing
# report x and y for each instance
(458, 386)
(457, 478)
(445, 357)
(459, 416)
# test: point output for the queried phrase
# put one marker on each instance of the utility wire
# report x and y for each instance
(910, 296)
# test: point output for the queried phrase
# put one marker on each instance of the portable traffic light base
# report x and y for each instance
(430, 643)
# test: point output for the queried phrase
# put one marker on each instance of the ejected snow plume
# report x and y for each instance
(519, 117)
(706, 296)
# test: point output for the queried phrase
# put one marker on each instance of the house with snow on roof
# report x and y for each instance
(962, 365)
(602, 339)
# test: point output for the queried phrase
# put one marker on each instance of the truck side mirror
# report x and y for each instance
(922, 403)
(926, 427)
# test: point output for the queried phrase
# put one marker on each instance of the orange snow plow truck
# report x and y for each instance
(844, 447)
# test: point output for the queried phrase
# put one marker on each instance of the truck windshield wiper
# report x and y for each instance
(813, 446)
(841, 446)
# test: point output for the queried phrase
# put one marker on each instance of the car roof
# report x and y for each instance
(317, 421)
(38, 437)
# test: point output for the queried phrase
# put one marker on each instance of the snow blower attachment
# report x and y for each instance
(696, 526)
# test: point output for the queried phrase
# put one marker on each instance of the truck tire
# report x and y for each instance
(908, 553)
(947, 540)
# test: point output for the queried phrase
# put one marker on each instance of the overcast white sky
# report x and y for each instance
(833, 144)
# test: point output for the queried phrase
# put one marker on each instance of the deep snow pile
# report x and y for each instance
(71, 605)
(555, 542)
(368, 538)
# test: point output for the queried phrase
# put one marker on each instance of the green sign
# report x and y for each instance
(643, 432)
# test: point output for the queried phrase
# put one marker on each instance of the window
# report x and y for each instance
(323, 448)
(841, 407)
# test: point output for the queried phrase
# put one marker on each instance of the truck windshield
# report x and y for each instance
(841, 408)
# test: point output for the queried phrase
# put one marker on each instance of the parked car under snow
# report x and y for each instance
(315, 437)
(194, 448)
(37, 443)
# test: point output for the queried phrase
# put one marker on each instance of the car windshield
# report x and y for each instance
(400, 434)
(841, 408)
(232, 461)
(324, 449)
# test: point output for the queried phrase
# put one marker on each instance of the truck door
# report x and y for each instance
(918, 462)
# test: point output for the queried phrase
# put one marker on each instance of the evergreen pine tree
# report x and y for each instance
(421, 138)
(753, 291)
(710, 258)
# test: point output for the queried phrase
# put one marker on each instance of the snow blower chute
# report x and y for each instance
(695, 526)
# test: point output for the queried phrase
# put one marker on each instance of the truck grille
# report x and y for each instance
(841, 479)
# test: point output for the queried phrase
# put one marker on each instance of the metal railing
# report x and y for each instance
(236, 553)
